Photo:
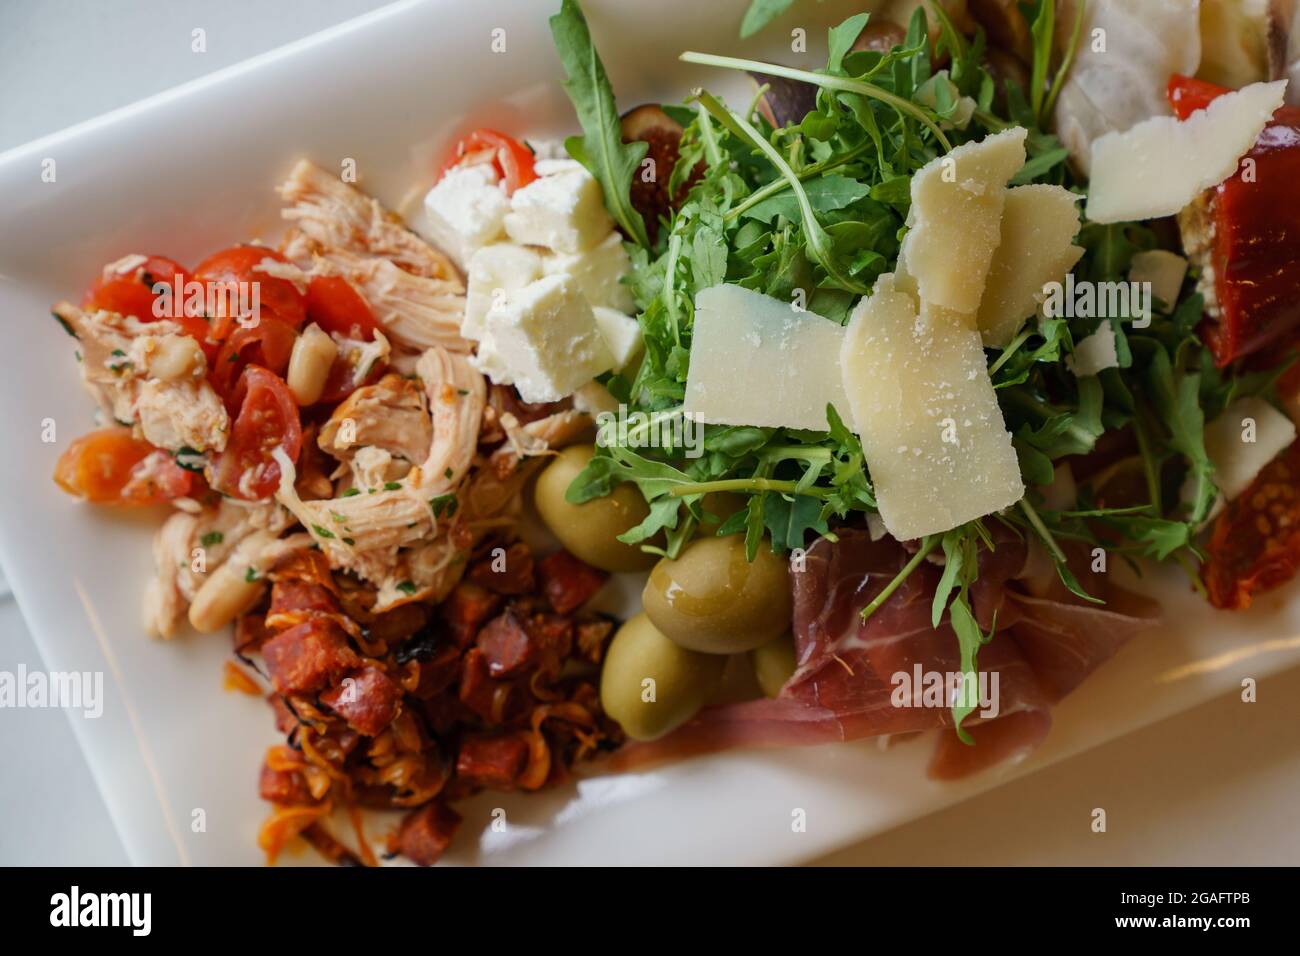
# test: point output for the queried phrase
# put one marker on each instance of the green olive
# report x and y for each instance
(713, 600)
(590, 530)
(651, 685)
(773, 664)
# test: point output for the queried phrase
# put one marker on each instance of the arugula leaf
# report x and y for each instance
(601, 148)
(824, 195)
(760, 14)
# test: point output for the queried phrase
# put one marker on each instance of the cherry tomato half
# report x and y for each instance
(224, 272)
(131, 293)
(335, 306)
(111, 466)
(267, 419)
(512, 159)
(268, 344)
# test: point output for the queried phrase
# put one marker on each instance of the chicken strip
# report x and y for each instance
(337, 216)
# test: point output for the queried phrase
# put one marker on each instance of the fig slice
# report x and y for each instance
(663, 134)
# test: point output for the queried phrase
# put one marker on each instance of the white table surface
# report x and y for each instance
(1214, 786)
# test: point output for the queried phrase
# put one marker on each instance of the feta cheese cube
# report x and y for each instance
(466, 211)
(564, 212)
(597, 272)
(495, 272)
(545, 337)
(622, 334)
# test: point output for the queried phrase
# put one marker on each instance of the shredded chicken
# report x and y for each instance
(115, 365)
(337, 216)
(391, 414)
(457, 395)
(416, 311)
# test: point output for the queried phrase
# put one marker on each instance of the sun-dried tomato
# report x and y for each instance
(1255, 545)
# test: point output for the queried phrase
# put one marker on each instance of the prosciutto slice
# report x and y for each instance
(845, 687)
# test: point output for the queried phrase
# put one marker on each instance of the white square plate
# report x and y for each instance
(195, 169)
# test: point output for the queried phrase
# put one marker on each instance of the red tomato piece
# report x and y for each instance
(131, 293)
(513, 160)
(267, 420)
(1255, 545)
(268, 344)
(1186, 94)
(232, 271)
(335, 306)
(111, 466)
(1253, 222)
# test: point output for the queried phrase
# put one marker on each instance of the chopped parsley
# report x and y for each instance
(392, 485)
(211, 538)
(350, 492)
(443, 504)
(406, 587)
(322, 532)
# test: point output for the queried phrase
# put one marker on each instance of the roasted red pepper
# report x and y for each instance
(1246, 233)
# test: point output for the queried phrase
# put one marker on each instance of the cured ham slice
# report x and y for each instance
(844, 684)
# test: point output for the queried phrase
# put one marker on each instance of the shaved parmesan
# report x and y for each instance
(1164, 270)
(791, 357)
(1243, 439)
(1094, 353)
(1160, 165)
(954, 221)
(1039, 224)
(922, 401)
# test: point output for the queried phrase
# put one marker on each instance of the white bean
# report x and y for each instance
(176, 358)
(309, 365)
(228, 592)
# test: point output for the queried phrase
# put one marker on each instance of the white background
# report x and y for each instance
(1215, 786)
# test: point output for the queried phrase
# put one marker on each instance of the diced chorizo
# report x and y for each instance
(568, 582)
(296, 595)
(506, 644)
(426, 833)
(508, 573)
(493, 701)
(308, 657)
(284, 786)
(465, 610)
(437, 672)
(285, 720)
(250, 633)
(367, 699)
(493, 761)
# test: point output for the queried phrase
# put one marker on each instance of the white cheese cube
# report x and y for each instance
(1161, 164)
(546, 340)
(622, 335)
(755, 360)
(922, 401)
(955, 220)
(1039, 224)
(495, 272)
(597, 272)
(564, 212)
(466, 211)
